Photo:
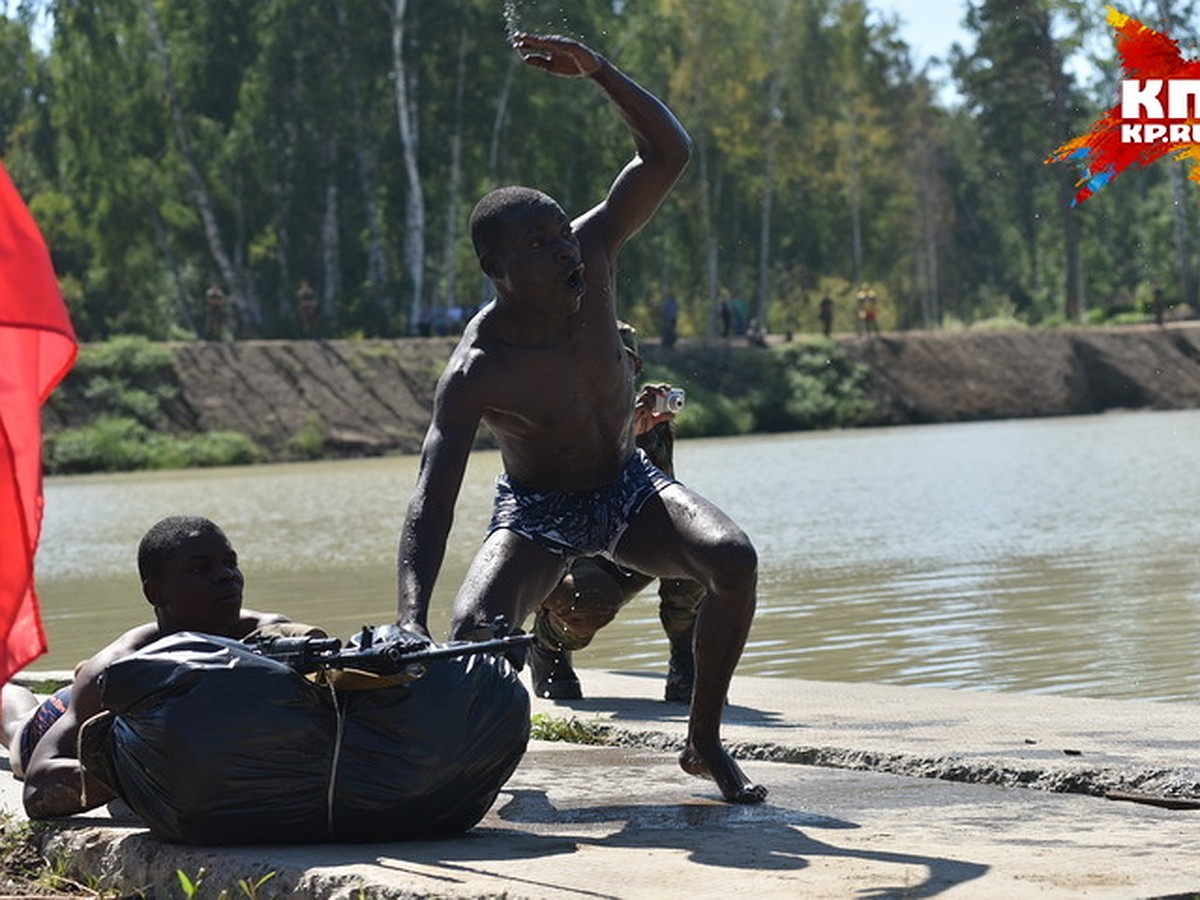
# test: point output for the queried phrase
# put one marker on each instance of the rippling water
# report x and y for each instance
(1053, 555)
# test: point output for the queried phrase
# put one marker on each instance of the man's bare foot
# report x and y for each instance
(720, 767)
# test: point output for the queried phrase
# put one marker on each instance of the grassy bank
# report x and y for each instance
(124, 387)
(131, 404)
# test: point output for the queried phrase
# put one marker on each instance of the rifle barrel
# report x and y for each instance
(464, 648)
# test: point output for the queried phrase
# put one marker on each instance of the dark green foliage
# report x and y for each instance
(570, 730)
(795, 387)
(116, 444)
(273, 154)
(824, 389)
(127, 356)
(127, 378)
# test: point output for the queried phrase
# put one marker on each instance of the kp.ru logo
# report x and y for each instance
(1142, 111)
(1159, 112)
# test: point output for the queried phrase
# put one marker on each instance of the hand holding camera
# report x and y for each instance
(656, 404)
(670, 401)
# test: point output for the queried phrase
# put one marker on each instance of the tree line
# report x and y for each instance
(276, 168)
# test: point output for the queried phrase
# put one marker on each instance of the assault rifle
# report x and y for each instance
(391, 653)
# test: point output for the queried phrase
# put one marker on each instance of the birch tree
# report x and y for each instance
(241, 290)
(414, 208)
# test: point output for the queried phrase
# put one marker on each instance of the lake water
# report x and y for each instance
(1052, 555)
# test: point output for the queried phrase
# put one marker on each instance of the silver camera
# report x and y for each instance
(670, 402)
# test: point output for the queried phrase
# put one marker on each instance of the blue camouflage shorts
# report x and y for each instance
(587, 523)
(39, 722)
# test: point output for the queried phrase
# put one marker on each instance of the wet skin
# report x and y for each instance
(544, 367)
(199, 589)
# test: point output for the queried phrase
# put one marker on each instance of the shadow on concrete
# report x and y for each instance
(754, 838)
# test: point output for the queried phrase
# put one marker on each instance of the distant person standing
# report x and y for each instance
(669, 316)
(1160, 306)
(868, 311)
(871, 314)
(215, 303)
(741, 315)
(309, 309)
(825, 314)
(425, 323)
(726, 317)
(789, 319)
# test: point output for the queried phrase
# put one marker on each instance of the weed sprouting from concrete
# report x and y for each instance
(571, 731)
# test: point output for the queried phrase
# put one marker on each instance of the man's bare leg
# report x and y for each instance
(16, 703)
(510, 576)
(721, 630)
(681, 535)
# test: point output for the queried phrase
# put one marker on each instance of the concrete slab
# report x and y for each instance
(875, 791)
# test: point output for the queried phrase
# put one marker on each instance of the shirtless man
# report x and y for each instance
(191, 577)
(543, 366)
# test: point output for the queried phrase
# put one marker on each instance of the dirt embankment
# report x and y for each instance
(960, 376)
(362, 397)
(373, 397)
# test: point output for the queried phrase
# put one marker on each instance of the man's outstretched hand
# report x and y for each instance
(557, 55)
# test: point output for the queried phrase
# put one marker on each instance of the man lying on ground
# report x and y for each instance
(190, 576)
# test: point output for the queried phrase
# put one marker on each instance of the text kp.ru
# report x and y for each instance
(1143, 99)
(1156, 133)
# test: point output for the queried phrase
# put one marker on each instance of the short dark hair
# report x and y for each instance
(164, 539)
(490, 211)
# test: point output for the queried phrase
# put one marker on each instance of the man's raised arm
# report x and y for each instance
(663, 146)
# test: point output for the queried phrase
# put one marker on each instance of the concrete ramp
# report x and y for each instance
(876, 791)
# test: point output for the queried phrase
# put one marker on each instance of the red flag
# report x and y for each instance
(37, 348)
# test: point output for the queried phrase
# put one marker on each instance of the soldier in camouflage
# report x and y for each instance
(596, 588)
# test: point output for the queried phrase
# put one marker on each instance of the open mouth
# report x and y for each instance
(575, 281)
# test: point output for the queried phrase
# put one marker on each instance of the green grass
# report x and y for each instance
(27, 872)
(122, 444)
(571, 731)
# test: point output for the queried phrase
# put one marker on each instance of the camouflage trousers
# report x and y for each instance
(592, 594)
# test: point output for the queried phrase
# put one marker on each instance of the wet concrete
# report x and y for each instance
(876, 791)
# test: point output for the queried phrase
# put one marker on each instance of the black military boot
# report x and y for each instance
(681, 671)
(552, 675)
